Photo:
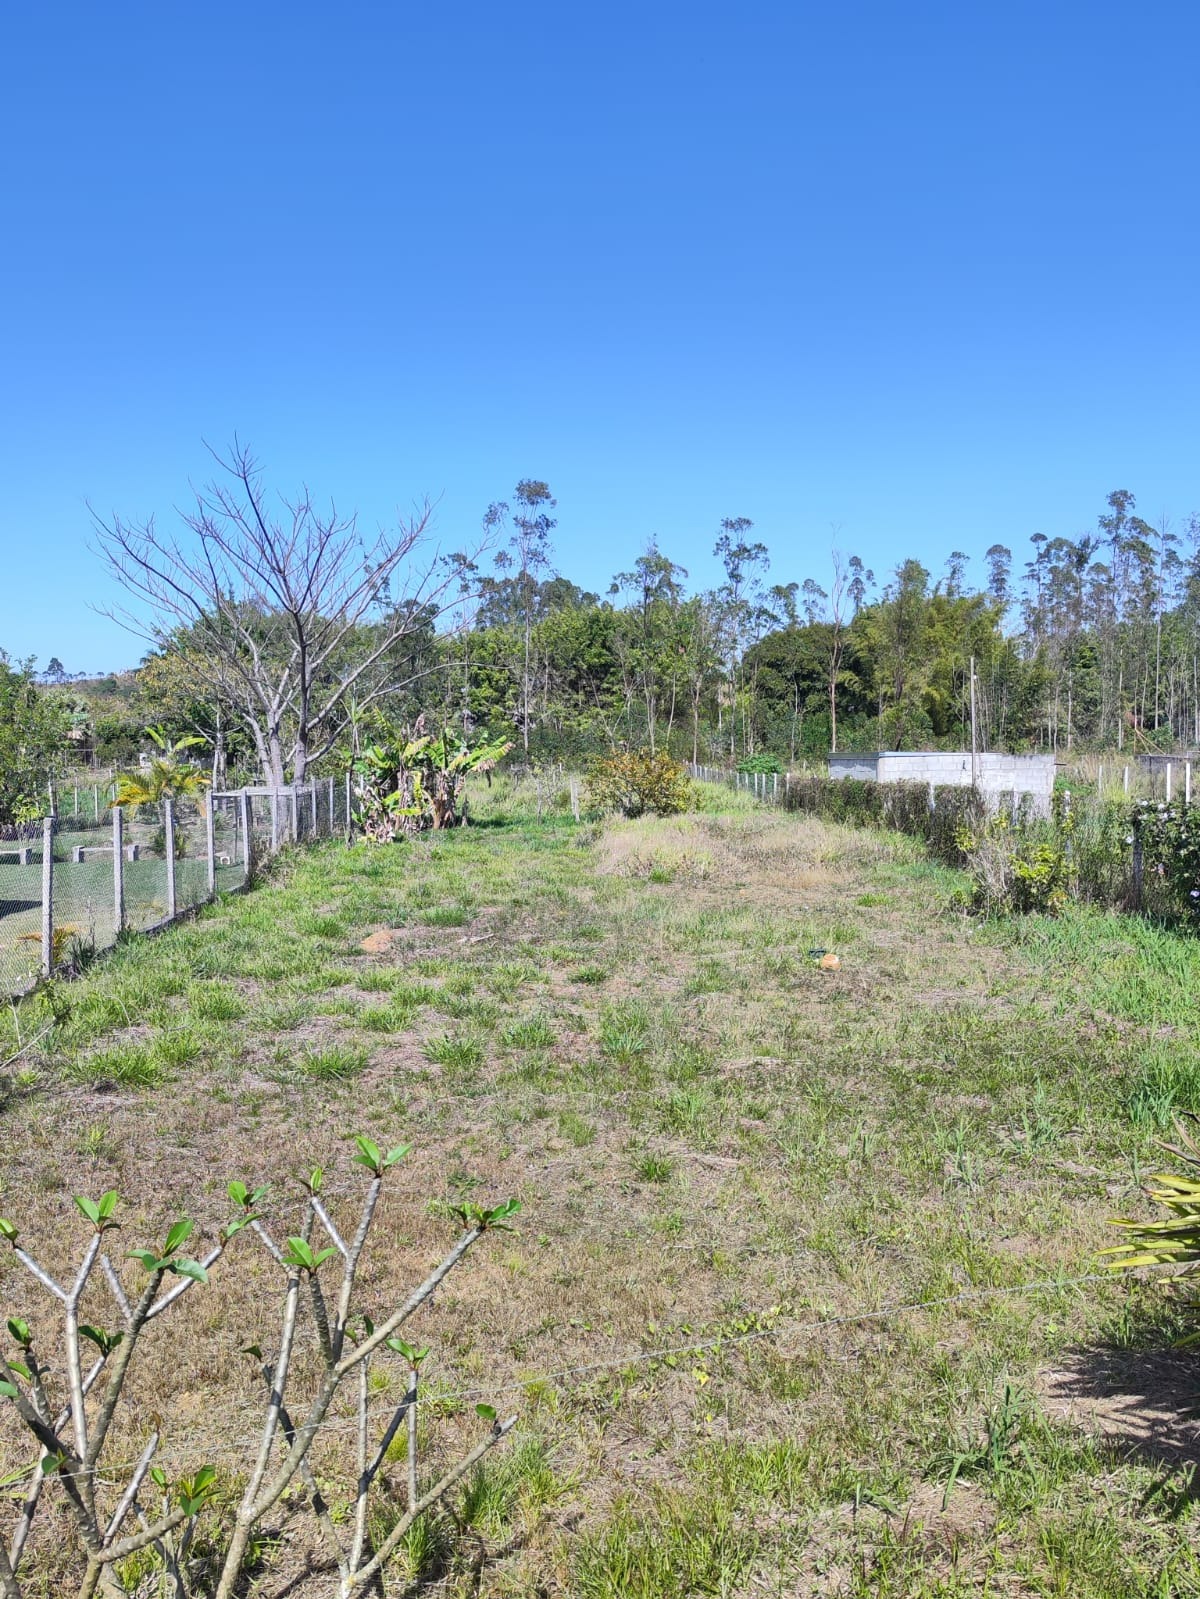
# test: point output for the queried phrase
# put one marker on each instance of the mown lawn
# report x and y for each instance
(715, 1143)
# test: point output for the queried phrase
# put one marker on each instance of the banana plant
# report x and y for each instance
(414, 779)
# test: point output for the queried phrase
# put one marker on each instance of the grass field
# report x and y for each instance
(715, 1143)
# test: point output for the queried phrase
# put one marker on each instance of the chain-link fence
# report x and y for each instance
(76, 880)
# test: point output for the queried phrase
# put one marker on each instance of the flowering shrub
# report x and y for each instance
(1170, 839)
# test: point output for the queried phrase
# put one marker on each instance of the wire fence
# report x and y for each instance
(79, 879)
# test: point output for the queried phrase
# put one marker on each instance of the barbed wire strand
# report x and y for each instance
(699, 1346)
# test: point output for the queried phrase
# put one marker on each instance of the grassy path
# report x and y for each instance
(711, 1138)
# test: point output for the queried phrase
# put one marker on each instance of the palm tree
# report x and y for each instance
(167, 777)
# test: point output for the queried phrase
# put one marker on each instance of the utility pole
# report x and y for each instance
(974, 737)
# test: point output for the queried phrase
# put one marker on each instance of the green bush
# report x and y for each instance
(761, 763)
(1169, 837)
(635, 781)
(1013, 869)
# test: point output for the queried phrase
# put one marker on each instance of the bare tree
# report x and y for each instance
(296, 613)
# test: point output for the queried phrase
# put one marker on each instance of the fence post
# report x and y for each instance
(169, 842)
(48, 896)
(96, 800)
(1187, 782)
(274, 820)
(210, 840)
(331, 807)
(1168, 782)
(1127, 782)
(314, 807)
(118, 844)
(247, 847)
(75, 812)
(349, 812)
(575, 798)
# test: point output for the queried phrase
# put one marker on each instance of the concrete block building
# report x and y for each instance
(998, 777)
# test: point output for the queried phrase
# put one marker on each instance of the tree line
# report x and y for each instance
(285, 639)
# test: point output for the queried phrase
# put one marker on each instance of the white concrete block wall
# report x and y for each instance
(998, 775)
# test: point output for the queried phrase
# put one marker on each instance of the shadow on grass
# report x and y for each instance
(1140, 1395)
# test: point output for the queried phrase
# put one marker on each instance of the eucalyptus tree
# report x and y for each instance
(528, 556)
(741, 611)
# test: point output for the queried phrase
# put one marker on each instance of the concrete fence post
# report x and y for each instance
(118, 845)
(274, 820)
(349, 811)
(1126, 782)
(48, 896)
(210, 841)
(247, 843)
(169, 843)
(1168, 782)
(313, 800)
(1187, 782)
(330, 780)
(575, 798)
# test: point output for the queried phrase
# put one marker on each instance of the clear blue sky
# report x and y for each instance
(923, 271)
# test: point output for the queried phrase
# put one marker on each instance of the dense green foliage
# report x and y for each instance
(33, 741)
(1170, 839)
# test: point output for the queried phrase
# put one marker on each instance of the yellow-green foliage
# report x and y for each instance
(635, 781)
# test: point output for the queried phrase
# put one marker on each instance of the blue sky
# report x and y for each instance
(924, 273)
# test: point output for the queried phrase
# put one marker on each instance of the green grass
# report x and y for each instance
(717, 1147)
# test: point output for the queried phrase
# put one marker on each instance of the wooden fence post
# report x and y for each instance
(48, 896)
(169, 843)
(118, 844)
(210, 840)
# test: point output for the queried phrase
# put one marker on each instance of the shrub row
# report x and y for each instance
(940, 821)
